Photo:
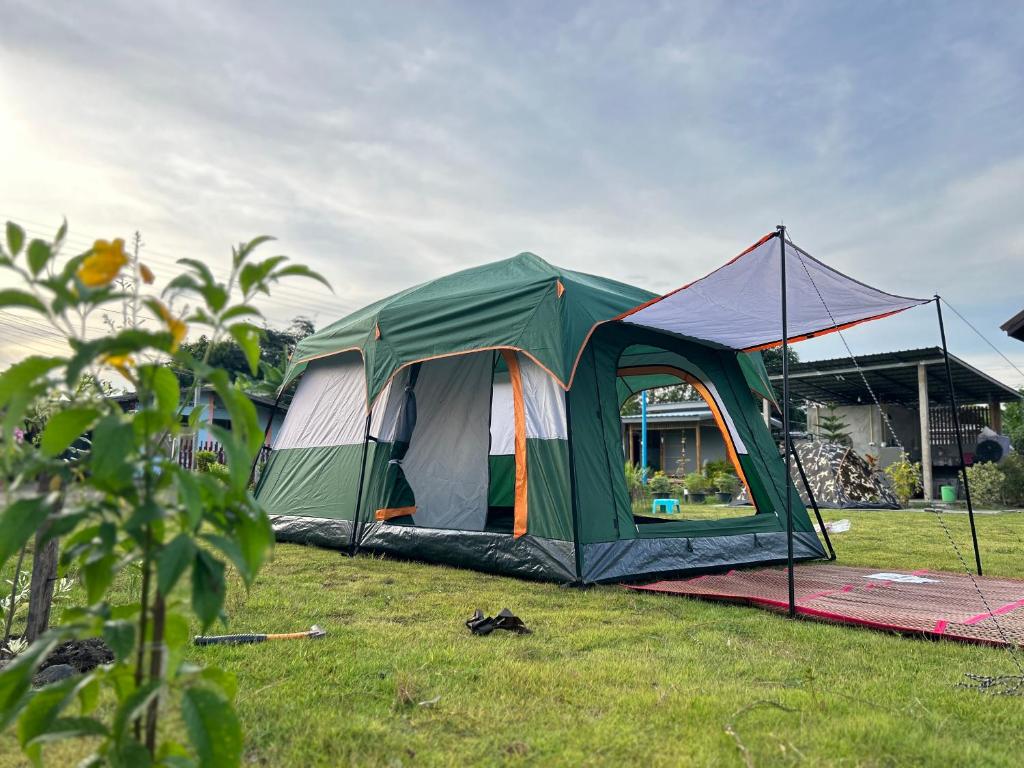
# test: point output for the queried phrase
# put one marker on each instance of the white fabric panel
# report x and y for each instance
(387, 406)
(545, 402)
(329, 407)
(503, 417)
(446, 465)
(729, 424)
(739, 304)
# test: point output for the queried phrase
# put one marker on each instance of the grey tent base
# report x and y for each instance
(617, 560)
(527, 557)
(548, 559)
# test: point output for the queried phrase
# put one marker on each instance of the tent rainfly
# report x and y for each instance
(474, 420)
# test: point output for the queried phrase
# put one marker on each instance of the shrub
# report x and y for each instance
(986, 484)
(634, 480)
(659, 483)
(695, 482)
(906, 479)
(714, 468)
(727, 482)
(204, 460)
(1013, 486)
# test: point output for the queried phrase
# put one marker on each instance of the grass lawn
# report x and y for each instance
(609, 677)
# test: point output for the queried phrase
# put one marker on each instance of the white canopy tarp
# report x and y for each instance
(739, 304)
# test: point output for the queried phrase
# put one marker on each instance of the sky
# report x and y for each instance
(388, 143)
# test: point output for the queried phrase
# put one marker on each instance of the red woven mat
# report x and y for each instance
(930, 603)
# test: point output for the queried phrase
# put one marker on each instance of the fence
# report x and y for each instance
(972, 419)
(187, 448)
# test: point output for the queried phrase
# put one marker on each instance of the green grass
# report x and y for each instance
(609, 677)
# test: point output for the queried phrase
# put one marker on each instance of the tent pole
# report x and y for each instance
(781, 230)
(643, 436)
(573, 501)
(814, 503)
(353, 545)
(959, 438)
(266, 428)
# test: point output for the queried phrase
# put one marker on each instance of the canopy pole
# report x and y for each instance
(643, 436)
(959, 438)
(814, 502)
(781, 230)
(353, 546)
(266, 428)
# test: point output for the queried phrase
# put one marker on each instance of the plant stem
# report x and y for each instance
(14, 593)
(143, 620)
(156, 663)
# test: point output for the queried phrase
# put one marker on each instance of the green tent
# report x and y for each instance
(474, 420)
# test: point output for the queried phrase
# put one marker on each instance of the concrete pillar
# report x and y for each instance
(766, 411)
(700, 464)
(926, 438)
(995, 415)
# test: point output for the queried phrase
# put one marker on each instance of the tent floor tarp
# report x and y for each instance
(934, 604)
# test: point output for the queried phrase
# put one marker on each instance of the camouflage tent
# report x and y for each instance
(840, 478)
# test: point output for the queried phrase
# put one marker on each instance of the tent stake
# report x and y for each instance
(959, 438)
(353, 545)
(814, 503)
(781, 229)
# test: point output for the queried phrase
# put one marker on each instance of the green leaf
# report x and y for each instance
(242, 252)
(223, 680)
(16, 678)
(161, 381)
(132, 707)
(213, 728)
(172, 561)
(38, 255)
(98, 575)
(298, 270)
(39, 722)
(190, 497)
(64, 427)
(120, 636)
(208, 587)
(12, 297)
(18, 522)
(21, 375)
(248, 338)
(110, 456)
(255, 537)
(61, 233)
(240, 310)
(15, 238)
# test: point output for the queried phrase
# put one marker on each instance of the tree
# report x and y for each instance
(772, 358)
(275, 347)
(834, 427)
(134, 506)
(1013, 422)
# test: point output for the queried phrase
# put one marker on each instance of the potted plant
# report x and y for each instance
(696, 487)
(727, 484)
(660, 485)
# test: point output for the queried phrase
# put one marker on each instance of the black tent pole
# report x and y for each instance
(814, 502)
(781, 229)
(959, 438)
(266, 428)
(353, 545)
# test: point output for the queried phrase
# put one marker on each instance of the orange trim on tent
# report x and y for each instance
(559, 288)
(389, 512)
(376, 330)
(519, 419)
(823, 332)
(716, 412)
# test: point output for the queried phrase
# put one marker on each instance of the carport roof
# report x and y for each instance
(893, 377)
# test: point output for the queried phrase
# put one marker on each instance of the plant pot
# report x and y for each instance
(698, 498)
(725, 498)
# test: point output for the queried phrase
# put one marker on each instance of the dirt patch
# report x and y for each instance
(83, 655)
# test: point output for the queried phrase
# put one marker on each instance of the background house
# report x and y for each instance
(681, 437)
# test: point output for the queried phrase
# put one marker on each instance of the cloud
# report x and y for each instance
(648, 142)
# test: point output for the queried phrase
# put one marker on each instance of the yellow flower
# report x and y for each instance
(103, 263)
(121, 363)
(177, 328)
(147, 274)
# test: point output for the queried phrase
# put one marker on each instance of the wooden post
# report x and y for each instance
(926, 436)
(995, 415)
(700, 464)
(632, 453)
(44, 572)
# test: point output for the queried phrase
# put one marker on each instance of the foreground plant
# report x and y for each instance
(127, 504)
